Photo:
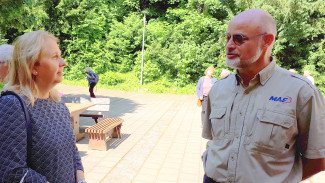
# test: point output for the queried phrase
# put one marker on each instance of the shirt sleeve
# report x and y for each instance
(311, 123)
(206, 124)
(214, 80)
(13, 144)
(198, 88)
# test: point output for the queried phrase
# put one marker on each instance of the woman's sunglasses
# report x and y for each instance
(239, 39)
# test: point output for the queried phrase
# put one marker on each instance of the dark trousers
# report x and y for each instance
(91, 90)
(207, 179)
(204, 107)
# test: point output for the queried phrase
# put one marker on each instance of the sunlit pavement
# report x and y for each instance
(161, 139)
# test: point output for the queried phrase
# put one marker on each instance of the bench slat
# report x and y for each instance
(102, 131)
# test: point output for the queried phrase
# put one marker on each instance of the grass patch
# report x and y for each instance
(129, 82)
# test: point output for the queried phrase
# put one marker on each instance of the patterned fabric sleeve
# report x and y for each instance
(78, 160)
(13, 144)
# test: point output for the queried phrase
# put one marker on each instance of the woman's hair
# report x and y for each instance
(209, 68)
(87, 69)
(26, 54)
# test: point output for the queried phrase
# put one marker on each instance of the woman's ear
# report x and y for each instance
(35, 69)
(34, 72)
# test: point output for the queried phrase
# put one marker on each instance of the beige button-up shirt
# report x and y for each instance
(259, 133)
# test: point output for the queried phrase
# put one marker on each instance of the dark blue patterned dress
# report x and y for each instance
(55, 157)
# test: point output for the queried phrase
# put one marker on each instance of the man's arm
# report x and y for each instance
(312, 167)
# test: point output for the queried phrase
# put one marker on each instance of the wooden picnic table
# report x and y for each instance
(75, 110)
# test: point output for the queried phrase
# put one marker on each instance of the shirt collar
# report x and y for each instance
(267, 72)
(263, 76)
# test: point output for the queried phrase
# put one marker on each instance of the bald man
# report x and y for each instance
(265, 123)
(6, 52)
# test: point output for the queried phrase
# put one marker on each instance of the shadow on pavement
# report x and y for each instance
(112, 143)
(118, 106)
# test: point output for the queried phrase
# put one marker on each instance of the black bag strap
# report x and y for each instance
(27, 124)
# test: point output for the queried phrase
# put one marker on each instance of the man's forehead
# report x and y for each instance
(254, 20)
(243, 27)
(245, 22)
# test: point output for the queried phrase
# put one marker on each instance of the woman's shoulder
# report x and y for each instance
(10, 110)
(9, 101)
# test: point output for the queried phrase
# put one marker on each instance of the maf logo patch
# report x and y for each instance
(286, 99)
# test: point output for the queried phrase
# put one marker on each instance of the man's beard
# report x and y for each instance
(240, 64)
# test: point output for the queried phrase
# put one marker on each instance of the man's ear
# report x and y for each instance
(268, 39)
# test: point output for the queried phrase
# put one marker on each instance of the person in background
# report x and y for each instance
(203, 87)
(91, 77)
(308, 76)
(5, 56)
(36, 68)
(266, 124)
(224, 73)
(292, 70)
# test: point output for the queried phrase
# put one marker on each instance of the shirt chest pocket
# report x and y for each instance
(275, 132)
(218, 122)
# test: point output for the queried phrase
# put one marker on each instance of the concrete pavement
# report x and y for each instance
(161, 141)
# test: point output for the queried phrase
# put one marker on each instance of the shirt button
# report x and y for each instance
(241, 114)
(232, 158)
(237, 137)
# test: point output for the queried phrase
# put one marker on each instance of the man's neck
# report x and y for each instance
(248, 73)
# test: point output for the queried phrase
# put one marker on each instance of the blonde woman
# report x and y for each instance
(37, 66)
(203, 87)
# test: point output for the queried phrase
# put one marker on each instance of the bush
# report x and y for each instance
(111, 78)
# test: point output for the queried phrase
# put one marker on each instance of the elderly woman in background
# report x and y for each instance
(203, 87)
(5, 56)
(224, 73)
(36, 68)
(308, 76)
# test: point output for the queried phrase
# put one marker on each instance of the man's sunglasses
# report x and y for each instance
(239, 39)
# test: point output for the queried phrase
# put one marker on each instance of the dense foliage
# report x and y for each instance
(182, 37)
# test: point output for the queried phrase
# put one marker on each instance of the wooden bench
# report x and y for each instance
(101, 132)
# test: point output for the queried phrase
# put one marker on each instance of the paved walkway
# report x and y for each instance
(161, 141)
